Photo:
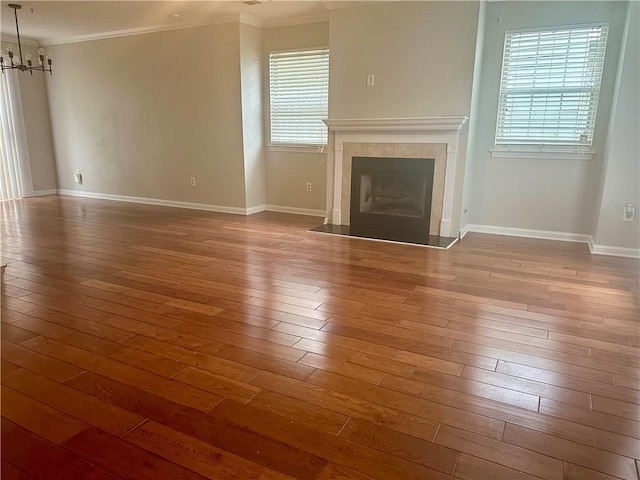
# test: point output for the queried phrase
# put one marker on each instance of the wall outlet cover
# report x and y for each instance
(628, 213)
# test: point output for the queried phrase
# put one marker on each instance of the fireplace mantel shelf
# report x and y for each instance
(413, 124)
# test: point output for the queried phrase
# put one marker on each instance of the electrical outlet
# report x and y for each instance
(629, 213)
(193, 181)
(309, 186)
(370, 80)
(78, 177)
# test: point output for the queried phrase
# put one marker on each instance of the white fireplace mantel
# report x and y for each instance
(423, 130)
(410, 124)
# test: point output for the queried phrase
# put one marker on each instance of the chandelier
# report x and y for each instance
(19, 63)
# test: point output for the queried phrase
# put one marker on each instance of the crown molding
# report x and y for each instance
(340, 5)
(250, 20)
(235, 18)
(416, 124)
(143, 30)
(25, 41)
(286, 22)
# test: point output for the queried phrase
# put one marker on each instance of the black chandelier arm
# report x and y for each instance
(19, 63)
(40, 68)
(25, 68)
(15, 13)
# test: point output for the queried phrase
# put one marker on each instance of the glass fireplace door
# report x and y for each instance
(390, 194)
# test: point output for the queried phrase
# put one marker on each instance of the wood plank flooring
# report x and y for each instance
(144, 342)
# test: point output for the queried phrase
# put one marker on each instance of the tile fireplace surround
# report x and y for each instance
(423, 137)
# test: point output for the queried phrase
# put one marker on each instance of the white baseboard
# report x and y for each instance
(445, 228)
(523, 232)
(296, 210)
(614, 251)
(463, 231)
(156, 201)
(194, 206)
(41, 193)
(257, 209)
(550, 235)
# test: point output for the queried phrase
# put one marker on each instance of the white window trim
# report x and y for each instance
(544, 151)
(296, 148)
(289, 147)
(541, 152)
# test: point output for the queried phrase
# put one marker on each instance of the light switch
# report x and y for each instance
(629, 213)
(370, 79)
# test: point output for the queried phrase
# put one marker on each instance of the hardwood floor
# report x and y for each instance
(145, 342)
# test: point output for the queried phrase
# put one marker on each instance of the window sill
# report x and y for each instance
(297, 148)
(545, 153)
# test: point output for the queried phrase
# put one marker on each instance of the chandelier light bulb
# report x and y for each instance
(23, 62)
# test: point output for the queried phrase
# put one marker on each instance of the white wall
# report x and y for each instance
(251, 76)
(288, 172)
(551, 194)
(140, 115)
(474, 115)
(35, 109)
(421, 54)
(622, 153)
(422, 57)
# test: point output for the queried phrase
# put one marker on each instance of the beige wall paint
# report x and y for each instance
(140, 115)
(422, 57)
(458, 181)
(35, 109)
(622, 153)
(287, 176)
(474, 117)
(287, 173)
(549, 194)
(251, 62)
(421, 54)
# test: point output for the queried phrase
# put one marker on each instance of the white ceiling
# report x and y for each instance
(49, 22)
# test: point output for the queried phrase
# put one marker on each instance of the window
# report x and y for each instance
(550, 85)
(299, 97)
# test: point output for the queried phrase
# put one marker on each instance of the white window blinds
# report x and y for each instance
(550, 85)
(299, 96)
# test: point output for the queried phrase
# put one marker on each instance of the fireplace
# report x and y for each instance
(411, 138)
(391, 198)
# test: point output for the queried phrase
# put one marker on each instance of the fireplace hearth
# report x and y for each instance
(391, 198)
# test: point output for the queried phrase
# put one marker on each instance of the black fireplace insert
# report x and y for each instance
(391, 198)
